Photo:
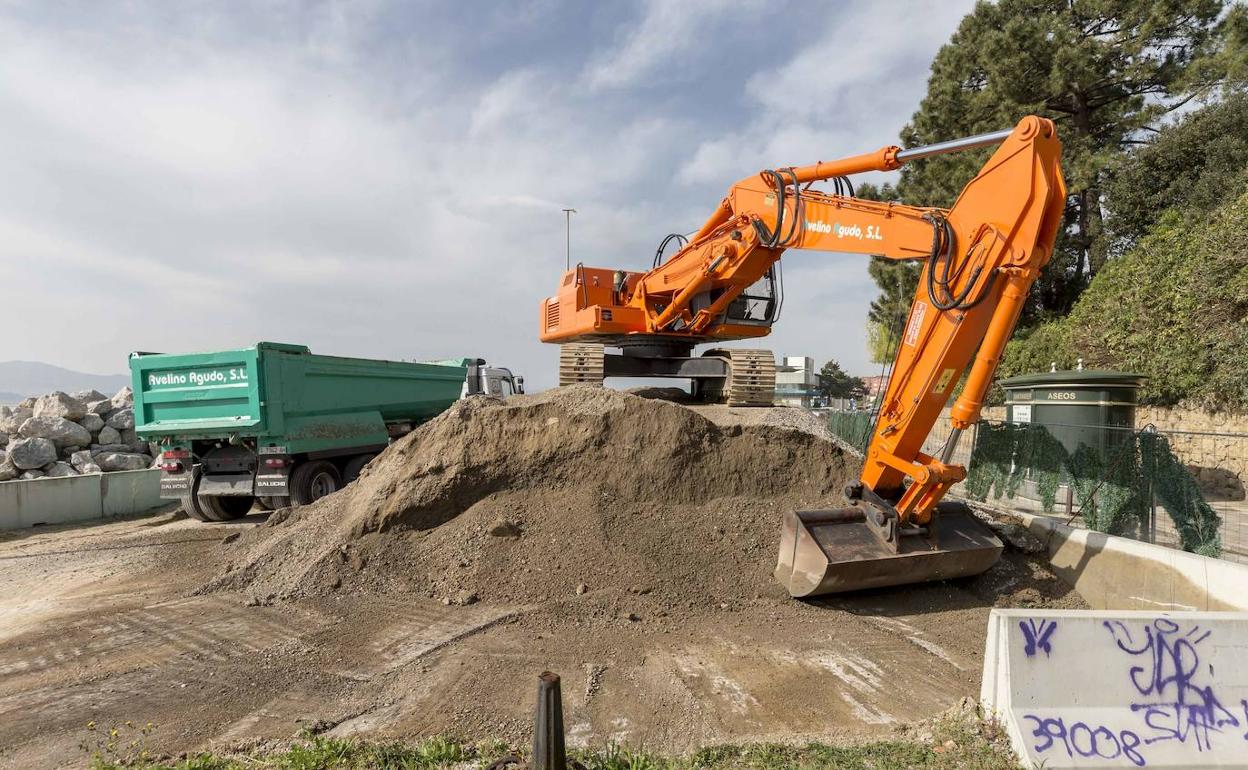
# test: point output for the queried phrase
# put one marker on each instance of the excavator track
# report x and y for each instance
(751, 377)
(580, 363)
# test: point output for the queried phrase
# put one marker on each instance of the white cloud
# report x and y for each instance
(667, 31)
(196, 181)
(848, 92)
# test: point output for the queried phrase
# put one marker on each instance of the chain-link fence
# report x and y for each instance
(1177, 488)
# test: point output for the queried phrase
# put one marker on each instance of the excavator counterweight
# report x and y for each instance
(981, 257)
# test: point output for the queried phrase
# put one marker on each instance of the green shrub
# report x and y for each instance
(1174, 308)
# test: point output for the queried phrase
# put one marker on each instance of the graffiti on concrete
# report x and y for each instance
(1036, 635)
(1082, 740)
(1175, 703)
(1173, 695)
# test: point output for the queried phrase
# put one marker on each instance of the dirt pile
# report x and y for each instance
(552, 496)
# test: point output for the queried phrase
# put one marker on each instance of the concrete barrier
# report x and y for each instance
(1117, 573)
(78, 498)
(1087, 688)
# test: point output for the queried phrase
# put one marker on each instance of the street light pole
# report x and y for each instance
(568, 214)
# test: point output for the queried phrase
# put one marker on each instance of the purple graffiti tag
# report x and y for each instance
(1036, 635)
(1079, 739)
(1178, 707)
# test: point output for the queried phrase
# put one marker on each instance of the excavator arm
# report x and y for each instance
(981, 257)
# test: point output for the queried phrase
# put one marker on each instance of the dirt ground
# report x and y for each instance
(159, 620)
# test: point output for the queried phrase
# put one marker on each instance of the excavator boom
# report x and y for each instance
(981, 258)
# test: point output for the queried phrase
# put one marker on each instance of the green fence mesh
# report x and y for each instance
(1114, 489)
(853, 427)
(1179, 493)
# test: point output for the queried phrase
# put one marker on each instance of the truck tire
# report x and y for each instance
(190, 503)
(312, 481)
(351, 471)
(272, 503)
(226, 507)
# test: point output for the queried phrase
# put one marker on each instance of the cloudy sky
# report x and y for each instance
(386, 179)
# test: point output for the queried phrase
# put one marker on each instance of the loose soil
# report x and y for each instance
(623, 542)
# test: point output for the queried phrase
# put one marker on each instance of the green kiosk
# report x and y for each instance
(1077, 406)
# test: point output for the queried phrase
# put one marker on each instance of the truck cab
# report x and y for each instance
(486, 380)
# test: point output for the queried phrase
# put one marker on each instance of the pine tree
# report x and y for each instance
(1107, 71)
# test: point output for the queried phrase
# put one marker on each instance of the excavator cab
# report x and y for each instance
(759, 305)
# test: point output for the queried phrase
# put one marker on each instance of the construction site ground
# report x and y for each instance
(243, 634)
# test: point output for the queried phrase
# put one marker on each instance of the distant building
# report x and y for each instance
(875, 385)
(800, 386)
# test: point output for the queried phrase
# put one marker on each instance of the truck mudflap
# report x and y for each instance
(175, 485)
(273, 483)
(226, 484)
(273, 471)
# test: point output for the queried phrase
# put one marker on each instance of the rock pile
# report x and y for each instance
(67, 434)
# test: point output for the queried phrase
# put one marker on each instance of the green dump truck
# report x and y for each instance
(275, 424)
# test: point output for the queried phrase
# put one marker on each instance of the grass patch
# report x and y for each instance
(954, 745)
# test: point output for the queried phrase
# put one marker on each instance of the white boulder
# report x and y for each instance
(58, 404)
(81, 459)
(61, 469)
(120, 419)
(121, 461)
(123, 398)
(29, 453)
(13, 422)
(59, 430)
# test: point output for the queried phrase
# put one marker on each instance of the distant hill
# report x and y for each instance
(19, 379)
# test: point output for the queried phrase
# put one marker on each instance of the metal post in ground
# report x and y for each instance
(549, 749)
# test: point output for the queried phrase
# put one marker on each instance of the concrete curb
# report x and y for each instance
(1117, 573)
(69, 499)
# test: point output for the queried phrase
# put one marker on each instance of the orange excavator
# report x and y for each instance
(980, 259)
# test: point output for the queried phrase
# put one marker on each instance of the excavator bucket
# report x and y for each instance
(828, 552)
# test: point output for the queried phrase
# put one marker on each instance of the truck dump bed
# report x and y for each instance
(285, 393)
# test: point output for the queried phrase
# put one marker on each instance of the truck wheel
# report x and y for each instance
(190, 503)
(226, 507)
(351, 471)
(272, 502)
(312, 481)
